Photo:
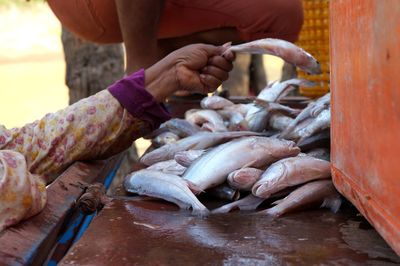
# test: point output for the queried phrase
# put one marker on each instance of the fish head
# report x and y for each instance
(270, 179)
(311, 66)
(280, 148)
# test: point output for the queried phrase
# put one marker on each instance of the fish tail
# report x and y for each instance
(200, 212)
(271, 212)
(194, 188)
(333, 203)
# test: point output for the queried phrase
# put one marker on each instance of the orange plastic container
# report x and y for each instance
(365, 84)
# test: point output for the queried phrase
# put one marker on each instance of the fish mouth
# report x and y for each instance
(262, 192)
(316, 69)
(293, 147)
(259, 189)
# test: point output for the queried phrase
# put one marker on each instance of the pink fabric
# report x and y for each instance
(93, 128)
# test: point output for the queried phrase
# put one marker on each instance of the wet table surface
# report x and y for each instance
(144, 232)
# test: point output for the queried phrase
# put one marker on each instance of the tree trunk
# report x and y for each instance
(90, 67)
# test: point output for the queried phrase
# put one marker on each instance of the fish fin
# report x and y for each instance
(203, 212)
(225, 208)
(194, 188)
(301, 139)
(333, 203)
(262, 103)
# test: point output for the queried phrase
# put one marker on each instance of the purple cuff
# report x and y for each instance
(131, 94)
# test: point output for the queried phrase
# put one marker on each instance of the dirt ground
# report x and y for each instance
(32, 64)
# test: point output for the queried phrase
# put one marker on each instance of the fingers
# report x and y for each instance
(220, 62)
(216, 72)
(210, 82)
(229, 55)
(212, 50)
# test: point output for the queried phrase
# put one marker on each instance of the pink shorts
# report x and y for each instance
(97, 20)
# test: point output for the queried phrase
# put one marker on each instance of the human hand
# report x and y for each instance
(196, 68)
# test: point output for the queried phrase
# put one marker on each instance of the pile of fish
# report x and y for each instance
(245, 153)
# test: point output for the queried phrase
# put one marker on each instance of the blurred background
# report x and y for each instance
(32, 65)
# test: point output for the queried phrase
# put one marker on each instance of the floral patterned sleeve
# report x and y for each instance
(93, 128)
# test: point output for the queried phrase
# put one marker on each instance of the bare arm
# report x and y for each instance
(138, 21)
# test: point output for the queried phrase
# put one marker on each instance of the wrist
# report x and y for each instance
(160, 79)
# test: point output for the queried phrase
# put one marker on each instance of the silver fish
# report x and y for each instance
(199, 141)
(273, 108)
(248, 203)
(169, 187)
(213, 167)
(311, 111)
(186, 158)
(280, 89)
(283, 49)
(236, 121)
(259, 115)
(240, 107)
(317, 193)
(178, 126)
(168, 167)
(244, 178)
(279, 121)
(257, 118)
(211, 117)
(165, 138)
(181, 127)
(321, 122)
(290, 172)
(295, 133)
(215, 102)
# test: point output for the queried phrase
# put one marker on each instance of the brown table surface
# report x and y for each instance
(143, 232)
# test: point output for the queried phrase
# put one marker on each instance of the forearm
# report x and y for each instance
(93, 128)
(139, 25)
